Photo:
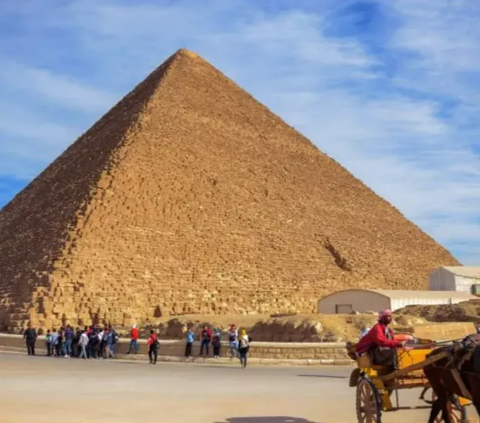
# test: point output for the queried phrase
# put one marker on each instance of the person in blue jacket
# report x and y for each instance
(190, 339)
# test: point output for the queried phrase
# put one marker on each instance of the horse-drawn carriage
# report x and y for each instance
(376, 384)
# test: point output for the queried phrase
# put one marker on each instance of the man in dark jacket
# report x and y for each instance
(76, 339)
(30, 337)
(92, 343)
(67, 346)
(206, 338)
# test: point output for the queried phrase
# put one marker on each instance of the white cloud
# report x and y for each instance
(58, 89)
(408, 130)
(28, 143)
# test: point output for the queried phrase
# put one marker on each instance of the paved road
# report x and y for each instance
(46, 390)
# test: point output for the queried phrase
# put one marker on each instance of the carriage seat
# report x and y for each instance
(366, 362)
(363, 362)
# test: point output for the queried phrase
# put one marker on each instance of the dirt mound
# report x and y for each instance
(189, 196)
(468, 311)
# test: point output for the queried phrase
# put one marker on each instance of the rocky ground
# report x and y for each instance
(468, 311)
(312, 327)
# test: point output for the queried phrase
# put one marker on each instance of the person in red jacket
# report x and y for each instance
(380, 341)
(153, 346)
(133, 339)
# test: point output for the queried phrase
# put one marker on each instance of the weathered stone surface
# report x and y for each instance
(191, 197)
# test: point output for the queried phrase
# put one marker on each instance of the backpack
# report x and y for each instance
(244, 343)
(92, 339)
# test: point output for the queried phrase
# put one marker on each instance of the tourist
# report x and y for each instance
(54, 341)
(59, 343)
(67, 346)
(243, 347)
(153, 346)
(190, 339)
(93, 343)
(101, 343)
(112, 330)
(206, 338)
(216, 342)
(30, 337)
(83, 343)
(89, 332)
(48, 343)
(109, 342)
(75, 347)
(133, 339)
(233, 341)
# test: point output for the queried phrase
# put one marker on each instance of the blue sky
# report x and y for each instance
(387, 88)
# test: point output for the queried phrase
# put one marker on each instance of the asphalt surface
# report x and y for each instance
(46, 390)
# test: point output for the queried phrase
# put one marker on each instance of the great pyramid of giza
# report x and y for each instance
(191, 196)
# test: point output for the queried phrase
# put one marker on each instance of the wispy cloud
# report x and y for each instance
(46, 86)
(386, 88)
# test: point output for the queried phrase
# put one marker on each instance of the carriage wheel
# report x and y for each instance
(457, 413)
(368, 403)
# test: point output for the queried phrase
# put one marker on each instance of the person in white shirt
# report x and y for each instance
(243, 347)
(82, 343)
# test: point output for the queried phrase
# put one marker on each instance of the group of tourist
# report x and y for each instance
(99, 343)
(91, 342)
(239, 345)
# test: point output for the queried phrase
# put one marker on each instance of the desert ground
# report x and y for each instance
(45, 390)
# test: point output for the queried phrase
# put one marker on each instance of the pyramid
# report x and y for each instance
(189, 196)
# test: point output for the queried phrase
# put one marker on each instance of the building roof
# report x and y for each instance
(401, 293)
(465, 271)
(404, 294)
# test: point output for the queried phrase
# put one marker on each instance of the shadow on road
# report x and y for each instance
(325, 376)
(267, 419)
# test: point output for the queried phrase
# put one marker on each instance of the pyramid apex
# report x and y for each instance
(188, 53)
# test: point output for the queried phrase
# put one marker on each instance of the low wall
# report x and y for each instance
(324, 353)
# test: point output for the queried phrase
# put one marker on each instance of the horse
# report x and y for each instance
(456, 375)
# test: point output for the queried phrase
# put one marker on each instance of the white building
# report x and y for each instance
(455, 278)
(361, 300)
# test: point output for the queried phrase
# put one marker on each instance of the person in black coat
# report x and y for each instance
(76, 338)
(93, 343)
(30, 337)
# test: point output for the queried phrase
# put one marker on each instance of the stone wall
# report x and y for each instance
(324, 353)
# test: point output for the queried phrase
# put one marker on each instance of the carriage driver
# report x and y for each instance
(380, 341)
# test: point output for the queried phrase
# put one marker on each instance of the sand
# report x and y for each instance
(46, 390)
